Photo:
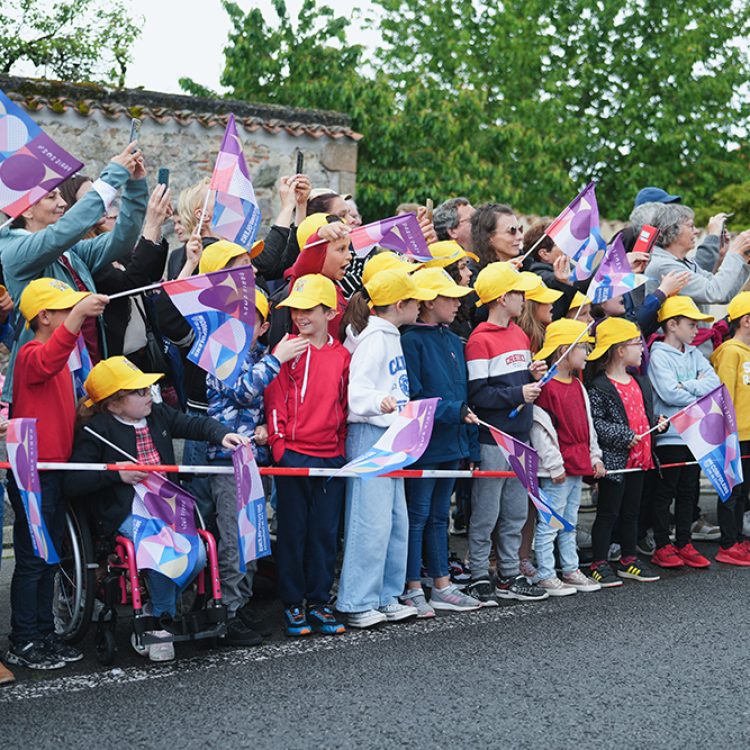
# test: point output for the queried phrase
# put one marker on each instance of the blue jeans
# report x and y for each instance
(376, 533)
(428, 502)
(163, 591)
(32, 585)
(564, 499)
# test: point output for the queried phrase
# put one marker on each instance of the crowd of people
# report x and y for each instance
(339, 346)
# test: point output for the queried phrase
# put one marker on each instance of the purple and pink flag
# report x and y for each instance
(252, 519)
(236, 214)
(614, 275)
(401, 444)
(22, 456)
(220, 308)
(31, 163)
(576, 232)
(402, 234)
(524, 461)
(709, 428)
(164, 533)
(79, 364)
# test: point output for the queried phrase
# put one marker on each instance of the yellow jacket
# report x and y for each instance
(732, 363)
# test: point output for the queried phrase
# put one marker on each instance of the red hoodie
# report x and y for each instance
(306, 403)
(312, 260)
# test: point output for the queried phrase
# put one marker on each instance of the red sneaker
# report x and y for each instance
(691, 557)
(734, 555)
(667, 557)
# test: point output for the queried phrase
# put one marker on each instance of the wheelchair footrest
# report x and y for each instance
(203, 623)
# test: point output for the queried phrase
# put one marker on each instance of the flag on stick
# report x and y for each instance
(31, 163)
(402, 234)
(614, 275)
(252, 519)
(709, 428)
(22, 455)
(236, 215)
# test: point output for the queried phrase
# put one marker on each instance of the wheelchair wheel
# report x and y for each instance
(75, 579)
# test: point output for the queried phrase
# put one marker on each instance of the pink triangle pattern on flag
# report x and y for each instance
(614, 276)
(236, 215)
(402, 234)
(21, 440)
(252, 519)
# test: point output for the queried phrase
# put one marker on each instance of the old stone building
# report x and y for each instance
(183, 133)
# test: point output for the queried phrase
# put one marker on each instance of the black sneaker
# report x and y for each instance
(57, 648)
(459, 573)
(518, 587)
(482, 590)
(322, 620)
(264, 627)
(637, 571)
(605, 576)
(239, 634)
(33, 655)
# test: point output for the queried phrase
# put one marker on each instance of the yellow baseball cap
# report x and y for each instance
(739, 305)
(679, 305)
(309, 226)
(310, 291)
(446, 252)
(541, 293)
(562, 332)
(116, 374)
(499, 278)
(47, 294)
(387, 259)
(390, 286)
(218, 254)
(261, 303)
(613, 331)
(579, 300)
(439, 281)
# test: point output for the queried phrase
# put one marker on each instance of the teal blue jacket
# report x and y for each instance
(26, 256)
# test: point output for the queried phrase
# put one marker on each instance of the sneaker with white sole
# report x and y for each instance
(555, 587)
(482, 591)
(703, 531)
(416, 598)
(518, 587)
(647, 544)
(365, 619)
(163, 651)
(581, 582)
(394, 612)
(450, 599)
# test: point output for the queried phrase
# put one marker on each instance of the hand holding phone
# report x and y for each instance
(163, 176)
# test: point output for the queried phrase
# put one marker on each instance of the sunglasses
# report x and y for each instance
(515, 230)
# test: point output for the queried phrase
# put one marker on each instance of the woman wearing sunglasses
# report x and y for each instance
(496, 234)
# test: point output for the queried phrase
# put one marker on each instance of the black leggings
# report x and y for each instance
(617, 500)
(681, 484)
(730, 513)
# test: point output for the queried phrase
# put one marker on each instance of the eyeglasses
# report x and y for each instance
(634, 343)
(140, 392)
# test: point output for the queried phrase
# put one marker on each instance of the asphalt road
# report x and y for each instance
(648, 665)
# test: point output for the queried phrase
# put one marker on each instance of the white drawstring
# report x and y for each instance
(307, 370)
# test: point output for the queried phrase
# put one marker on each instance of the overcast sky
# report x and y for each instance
(187, 38)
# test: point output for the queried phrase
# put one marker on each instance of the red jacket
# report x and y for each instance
(306, 405)
(43, 390)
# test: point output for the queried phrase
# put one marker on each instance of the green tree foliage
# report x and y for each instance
(73, 40)
(521, 101)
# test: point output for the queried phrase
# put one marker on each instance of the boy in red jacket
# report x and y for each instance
(43, 390)
(306, 410)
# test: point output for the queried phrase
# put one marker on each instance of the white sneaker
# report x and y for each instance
(580, 582)
(365, 619)
(395, 611)
(161, 651)
(703, 531)
(555, 587)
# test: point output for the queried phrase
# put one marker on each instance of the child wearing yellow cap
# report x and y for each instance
(43, 390)
(240, 409)
(679, 375)
(564, 436)
(622, 410)
(306, 408)
(121, 409)
(580, 309)
(376, 529)
(501, 375)
(732, 363)
(436, 367)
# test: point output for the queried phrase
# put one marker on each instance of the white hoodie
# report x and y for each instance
(377, 370)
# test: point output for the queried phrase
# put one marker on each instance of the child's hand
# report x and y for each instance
(471, 418)
(636, 439)
(92, 306)
(638, 261)
(131, 477)
(531, 392)
(260, 436)
(234, 440)
(599, 470)
(663, 423)
(335, 231)
(388, 405)
(538, 368)
(559, 479)
(289, 348)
